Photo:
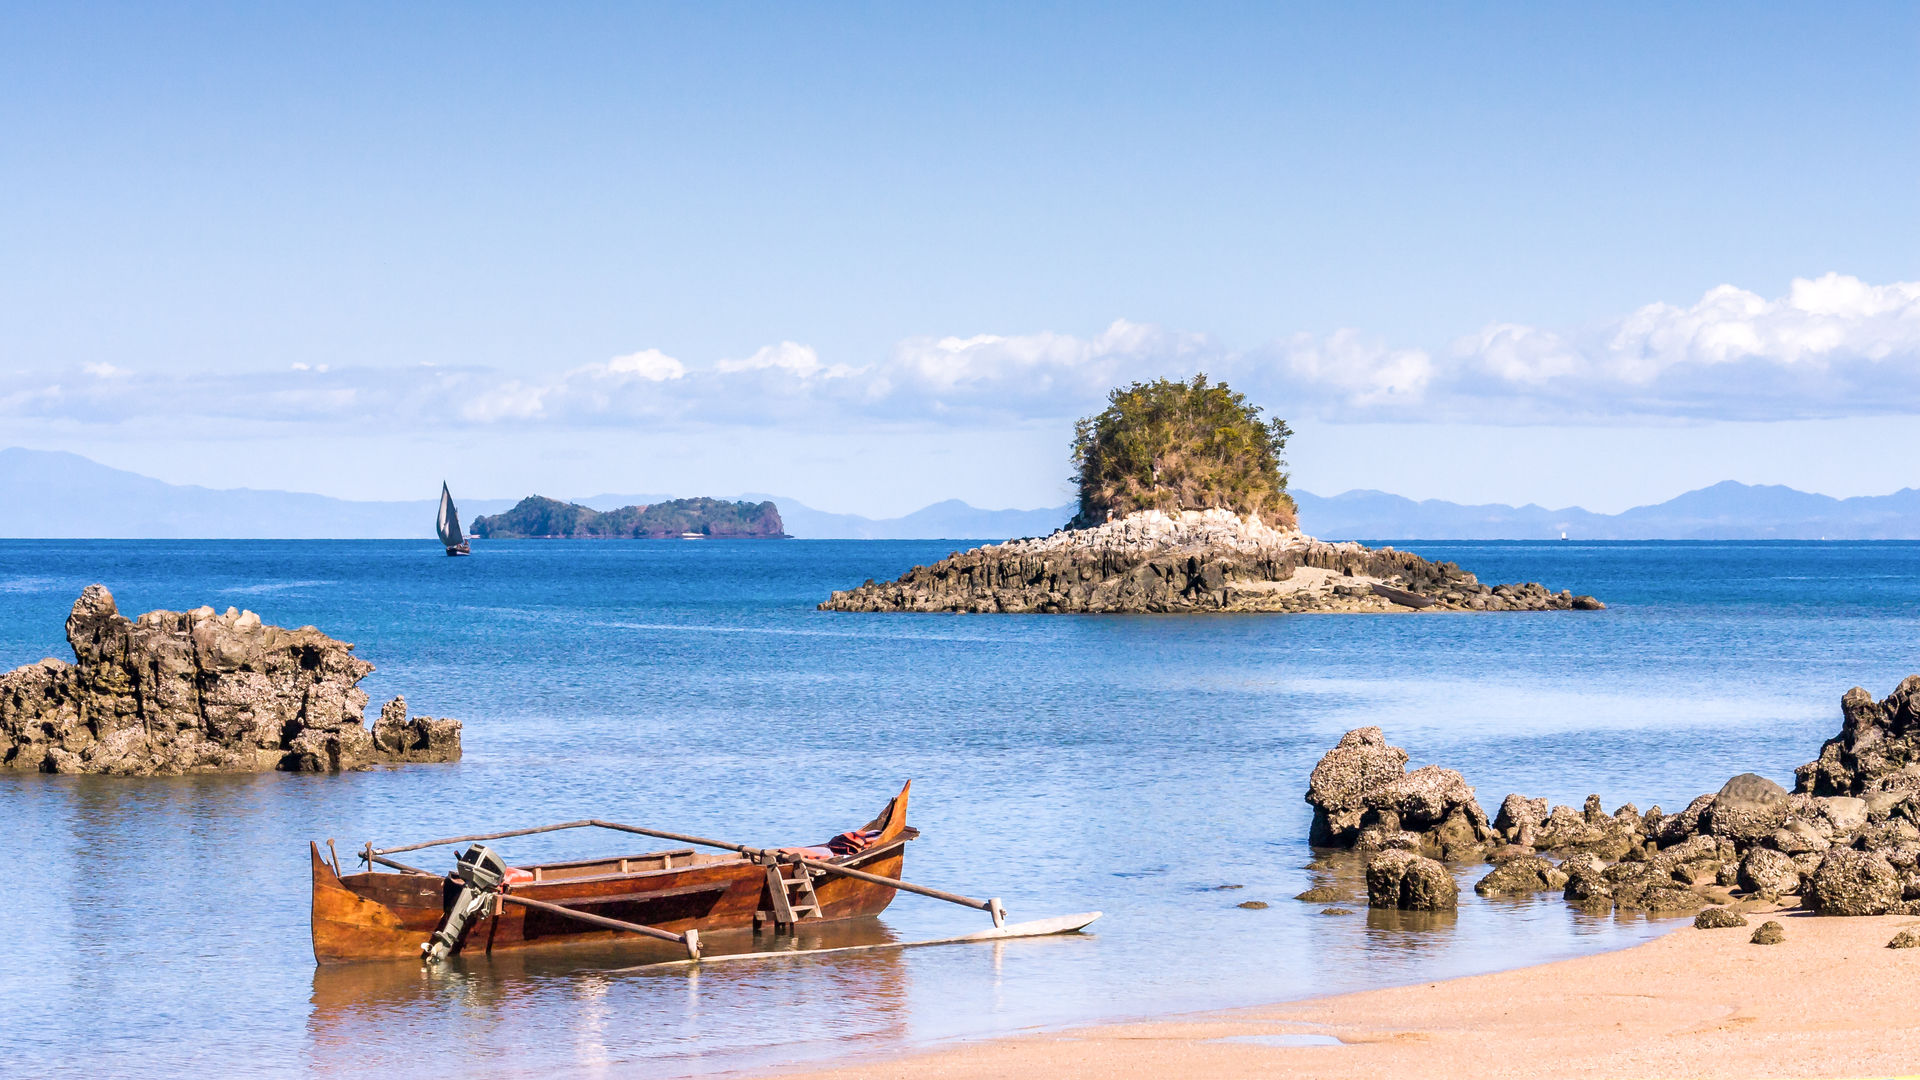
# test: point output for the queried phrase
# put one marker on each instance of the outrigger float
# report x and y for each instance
(674, 896)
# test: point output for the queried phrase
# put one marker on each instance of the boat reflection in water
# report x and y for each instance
(591, 1007)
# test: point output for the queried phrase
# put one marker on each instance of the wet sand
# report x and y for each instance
(1831, 1001)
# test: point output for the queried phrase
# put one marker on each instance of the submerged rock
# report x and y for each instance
(1409, 882)
(1192, 560)
(176, 692)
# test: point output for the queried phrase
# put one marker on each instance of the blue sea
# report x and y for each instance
(1133, 765)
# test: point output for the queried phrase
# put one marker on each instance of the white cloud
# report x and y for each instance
(787, 357)
(1833, 346)
(649, 364)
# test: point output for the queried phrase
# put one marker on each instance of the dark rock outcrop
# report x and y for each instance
(1409, 882)
(175, 692)
(1528, 823)
(1877, 750)
(1193, 560)
(1846, 841)
(1362, 796)
(1770, 933)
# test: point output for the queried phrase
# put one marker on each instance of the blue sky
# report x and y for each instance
(873, 256)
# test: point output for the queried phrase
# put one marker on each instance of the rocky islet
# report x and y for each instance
(198, 691)
(1153, 561)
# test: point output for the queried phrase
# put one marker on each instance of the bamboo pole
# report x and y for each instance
(484, 836)
(698, 841)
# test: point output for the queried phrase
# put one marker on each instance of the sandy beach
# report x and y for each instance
(1830, 1001)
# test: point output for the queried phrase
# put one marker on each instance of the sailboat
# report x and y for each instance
(448, 524)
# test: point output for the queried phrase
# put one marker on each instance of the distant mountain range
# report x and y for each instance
(1726, 511)
(52, 494)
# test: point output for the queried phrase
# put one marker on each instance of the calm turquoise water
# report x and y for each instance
(1131, 765)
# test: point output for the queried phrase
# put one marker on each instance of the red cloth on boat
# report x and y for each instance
(517, 876)
(853, 841)
(808, 852)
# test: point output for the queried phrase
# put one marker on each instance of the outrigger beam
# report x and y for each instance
(690, 939)
(991, 907)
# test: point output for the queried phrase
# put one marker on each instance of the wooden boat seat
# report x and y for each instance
(629, 864)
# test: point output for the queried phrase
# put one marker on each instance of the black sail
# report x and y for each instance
(448, 522)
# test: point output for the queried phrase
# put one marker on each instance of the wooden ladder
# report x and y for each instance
(793, 898)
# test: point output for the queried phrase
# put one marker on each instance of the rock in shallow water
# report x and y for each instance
(1409, 882)
(1362, 796)
(176, 692)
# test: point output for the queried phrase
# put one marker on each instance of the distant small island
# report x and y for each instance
(541, 518)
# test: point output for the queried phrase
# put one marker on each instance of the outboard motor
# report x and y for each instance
(480, 872)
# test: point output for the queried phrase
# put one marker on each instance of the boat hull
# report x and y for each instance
(391, 916)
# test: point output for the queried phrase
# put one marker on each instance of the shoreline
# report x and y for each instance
(1830, 1001)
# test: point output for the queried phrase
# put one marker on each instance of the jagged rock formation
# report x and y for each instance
(1877, 750)
(1526, 823)
(1362, 796)
(175, 692)
(1192, 560)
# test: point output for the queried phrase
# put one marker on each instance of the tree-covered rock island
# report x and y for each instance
(538, 517)
(1184, 508)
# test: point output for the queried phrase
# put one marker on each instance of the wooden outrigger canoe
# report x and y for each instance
(669, 895)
